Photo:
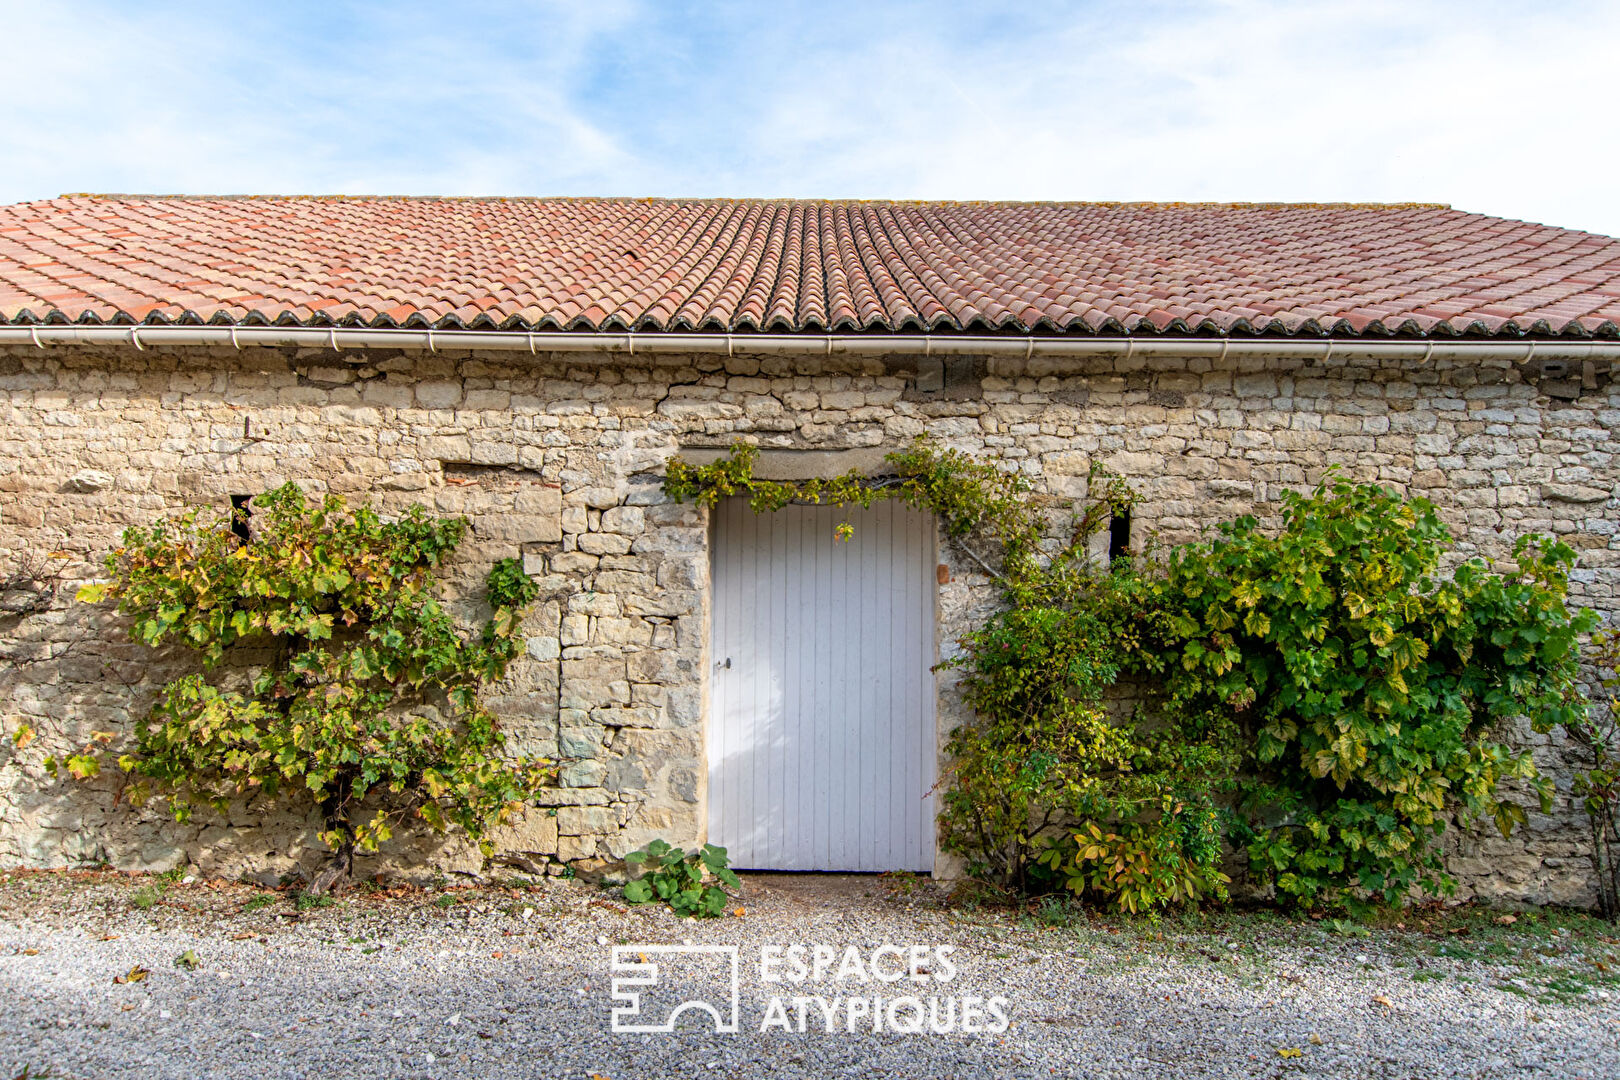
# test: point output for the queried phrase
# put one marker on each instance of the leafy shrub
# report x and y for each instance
(1170, 859)
(1596, 731)
(1367, 686)
(358, 686)
(680, 879)
(1047, 775)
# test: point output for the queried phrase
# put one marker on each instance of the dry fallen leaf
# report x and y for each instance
(30, 952)
(134, 975)
(1384, 1001)
(1506, 920)
(109, 937)
(741, 912)
(1288, 1052)
(497, 954)
(241, 937)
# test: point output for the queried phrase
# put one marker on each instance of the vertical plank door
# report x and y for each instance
(821, 738)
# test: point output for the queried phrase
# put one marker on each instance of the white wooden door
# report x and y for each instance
(821, 733)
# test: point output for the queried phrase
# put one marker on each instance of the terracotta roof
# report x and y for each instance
(792, 265)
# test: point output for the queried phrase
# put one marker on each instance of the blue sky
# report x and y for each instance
(1501, 108)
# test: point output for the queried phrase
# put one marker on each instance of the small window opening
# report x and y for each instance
(241, 514)
(1119, 535)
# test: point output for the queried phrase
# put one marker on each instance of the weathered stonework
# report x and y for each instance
(557, 460)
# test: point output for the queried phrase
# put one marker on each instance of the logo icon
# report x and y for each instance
(678, 970)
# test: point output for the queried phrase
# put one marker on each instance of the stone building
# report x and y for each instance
(532, 364)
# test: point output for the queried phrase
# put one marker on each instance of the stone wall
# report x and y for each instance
(557, 459)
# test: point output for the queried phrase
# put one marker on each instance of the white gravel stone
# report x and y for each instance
(400, 987)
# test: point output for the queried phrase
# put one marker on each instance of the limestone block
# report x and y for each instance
(623, 582)
(598, 543)
(87, 481)
(438, 394)
(484, 452)
(533, 831)
(579, 742)
(645, 717)
(586, 820)
(541, 500)
(597, 498)
(620, 631)
(573, 562)
(517, 528)
(594, 603)
(1574, 493)
(574, 848)
(456, 448)
(576, 629)
(595, 671)
(573, 796)
(582, 774)
(628, 520)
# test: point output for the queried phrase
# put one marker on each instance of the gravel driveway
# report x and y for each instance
(515, 982)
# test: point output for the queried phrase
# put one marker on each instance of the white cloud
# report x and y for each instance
(449, 99)
(1244, 100)
(1491, 106)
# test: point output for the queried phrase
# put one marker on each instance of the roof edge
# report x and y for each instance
(340, 339)
(1274, 329)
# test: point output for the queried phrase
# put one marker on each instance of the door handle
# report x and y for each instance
(726, 663)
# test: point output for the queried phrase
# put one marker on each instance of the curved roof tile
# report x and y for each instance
(803, 265)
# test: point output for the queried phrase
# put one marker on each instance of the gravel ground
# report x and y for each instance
(515, 982)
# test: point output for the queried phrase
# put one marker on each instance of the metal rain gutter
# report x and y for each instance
(340, 339)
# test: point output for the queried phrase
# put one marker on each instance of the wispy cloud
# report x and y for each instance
(1490, 106)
